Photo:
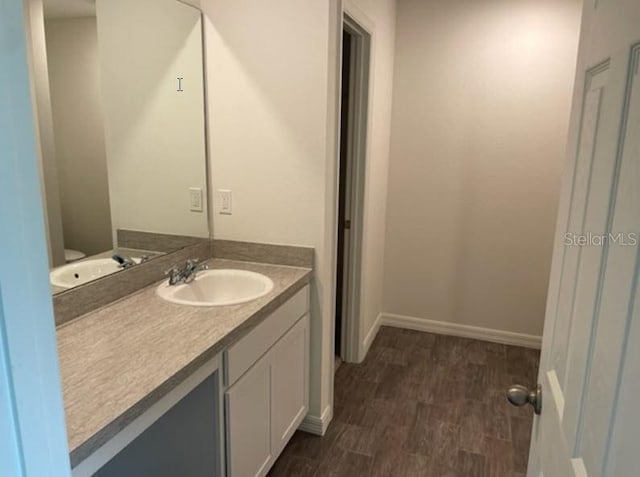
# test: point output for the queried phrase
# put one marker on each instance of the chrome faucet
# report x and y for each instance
(124, 261)
(186, 274)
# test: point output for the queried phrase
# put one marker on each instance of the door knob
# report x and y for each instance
(519, 396)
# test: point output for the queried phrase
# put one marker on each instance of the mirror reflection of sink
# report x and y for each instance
(78, 273)
(218, 288)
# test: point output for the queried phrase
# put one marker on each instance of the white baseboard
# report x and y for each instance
(317, 424)
(464, 331)
(371, 335)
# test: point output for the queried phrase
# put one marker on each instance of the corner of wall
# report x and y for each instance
(317, 425)
(370, 337)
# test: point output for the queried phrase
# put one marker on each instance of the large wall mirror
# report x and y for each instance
(120, 105)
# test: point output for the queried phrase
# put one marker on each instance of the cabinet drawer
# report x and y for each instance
(239, 357)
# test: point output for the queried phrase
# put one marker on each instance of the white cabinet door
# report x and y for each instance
(248, 413)
(289, 384)
(590, 362)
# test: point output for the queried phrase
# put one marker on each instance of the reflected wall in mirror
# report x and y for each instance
(120, 105)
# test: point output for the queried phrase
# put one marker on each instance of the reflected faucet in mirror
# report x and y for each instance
(118, 176)
(125, 261)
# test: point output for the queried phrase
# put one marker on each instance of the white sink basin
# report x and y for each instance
(78, 273)
(218, 288)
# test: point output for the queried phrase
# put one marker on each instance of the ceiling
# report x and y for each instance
(69, 8)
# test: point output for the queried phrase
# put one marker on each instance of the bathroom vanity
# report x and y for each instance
(157, 388)
(154, 383)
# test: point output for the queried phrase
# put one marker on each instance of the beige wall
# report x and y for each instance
(267, 70)
(72, 53)
(272, 71)
(154, 134)
(482, 94)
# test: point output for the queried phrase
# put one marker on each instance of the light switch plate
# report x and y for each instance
(195, 199)
(225, 201)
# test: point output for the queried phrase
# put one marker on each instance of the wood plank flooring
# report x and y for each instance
(422, 405)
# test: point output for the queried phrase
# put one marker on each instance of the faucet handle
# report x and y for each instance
(175, 275)
(196, 266)
(123, 261)
(192, 262)
(171, 271)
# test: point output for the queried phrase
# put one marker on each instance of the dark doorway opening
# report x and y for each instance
(342, 186)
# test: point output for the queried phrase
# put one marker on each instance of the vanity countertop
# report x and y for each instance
(117, 361)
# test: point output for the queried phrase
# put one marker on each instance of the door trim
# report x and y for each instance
(351, 346)
(31, 410)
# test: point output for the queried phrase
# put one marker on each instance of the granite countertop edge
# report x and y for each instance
(103, 435)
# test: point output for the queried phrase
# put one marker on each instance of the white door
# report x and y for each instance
(289, 384)
(248, 421)
(590, 362)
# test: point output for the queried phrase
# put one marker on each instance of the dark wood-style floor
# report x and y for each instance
(422, 405)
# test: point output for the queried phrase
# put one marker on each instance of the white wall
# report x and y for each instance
(154, 134)
(482, 95)
(72, 54)
(272, 72)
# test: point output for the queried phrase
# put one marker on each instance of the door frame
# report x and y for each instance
(31, 409)
(360, 30)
